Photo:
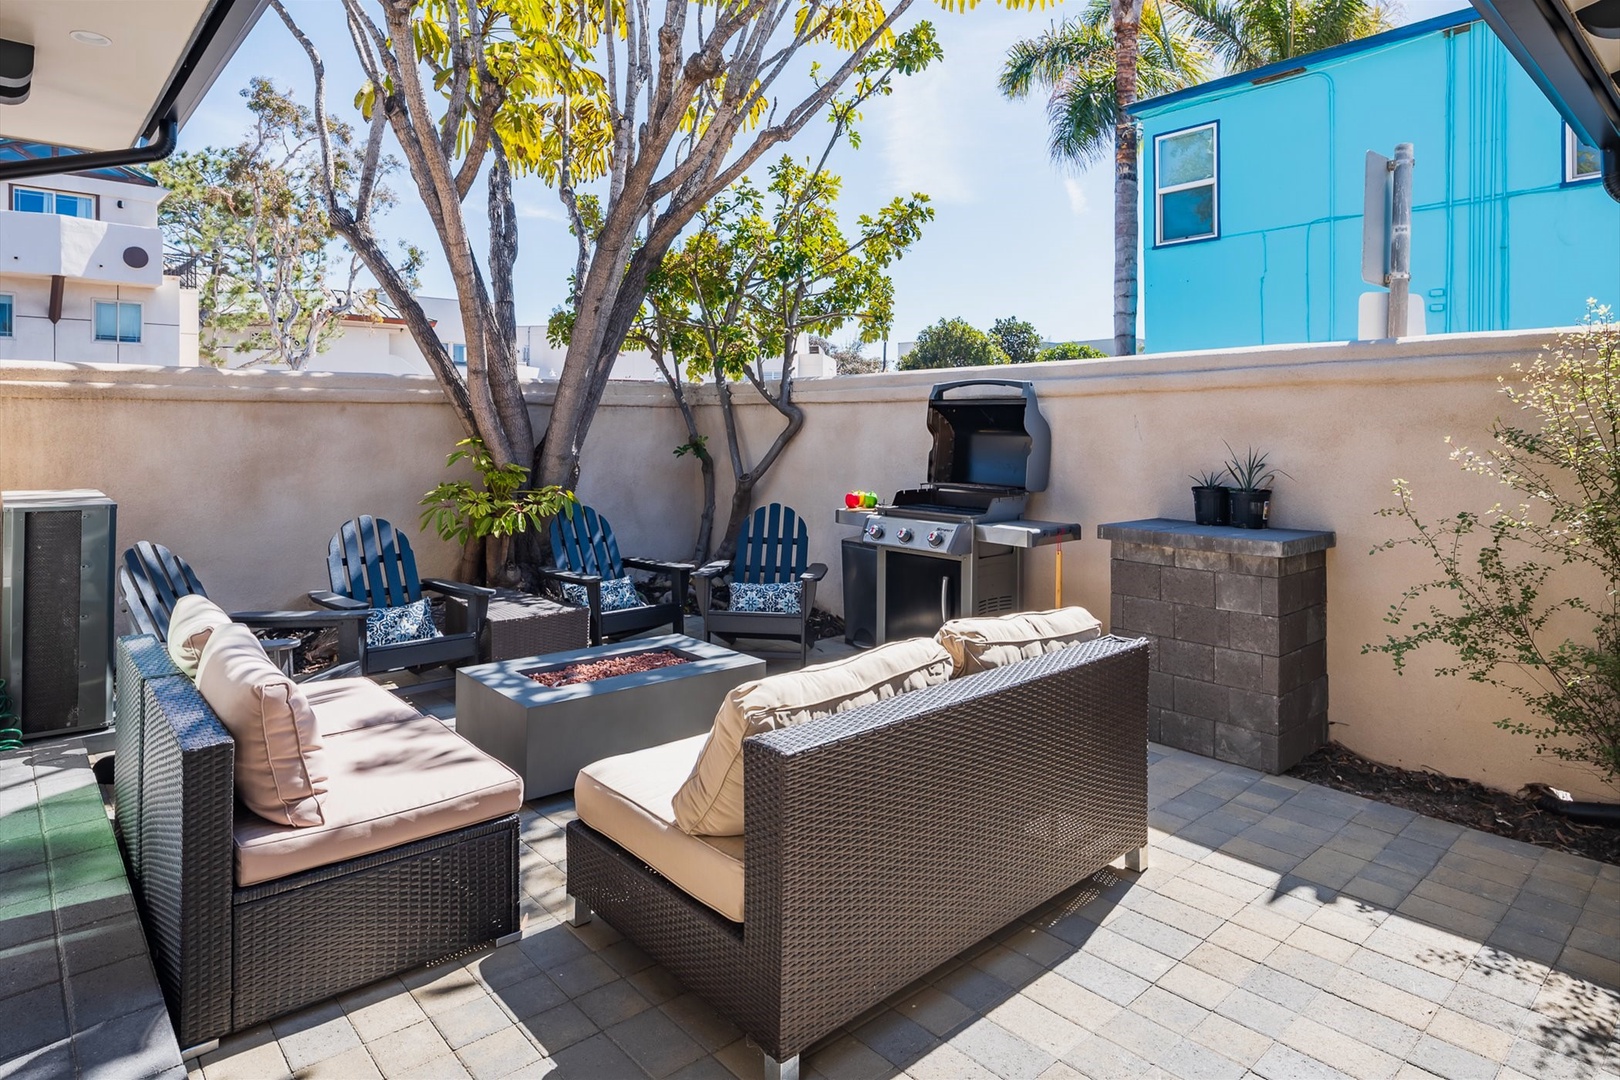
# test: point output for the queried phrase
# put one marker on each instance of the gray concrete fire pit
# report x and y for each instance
(547, 734)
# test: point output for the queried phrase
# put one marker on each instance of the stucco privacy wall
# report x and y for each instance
(249, 473)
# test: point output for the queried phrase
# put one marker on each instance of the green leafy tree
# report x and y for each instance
(1018, 339)
(666, 106)
(1528, 595)
(762, 269)
(271, 289)
(1070, 350)
(952, 343)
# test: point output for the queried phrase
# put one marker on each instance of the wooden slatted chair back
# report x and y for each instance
(582, 541)
(369, 561)
(152, 579)
(773, 547)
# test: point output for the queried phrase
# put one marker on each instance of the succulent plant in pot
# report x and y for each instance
(1211, 500)
(1251, 475)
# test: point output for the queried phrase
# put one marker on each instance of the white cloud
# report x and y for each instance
(922, 141)
(529, 209)
(1078, 202)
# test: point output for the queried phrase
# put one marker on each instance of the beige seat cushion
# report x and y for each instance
(346, 704)
(390, 785)
(628, 799)
(711, 801)
(981, 644)
(280, 770)
(191, 621)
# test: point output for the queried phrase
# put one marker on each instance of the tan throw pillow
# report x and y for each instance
(279, 769)
(710, 802)
(191, 621)
(981, 644)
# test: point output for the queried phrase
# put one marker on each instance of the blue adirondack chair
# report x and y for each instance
(153, 579)
(772, 549)
(586, 554)
(371, 565)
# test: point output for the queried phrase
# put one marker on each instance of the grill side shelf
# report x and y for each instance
(1026, 534)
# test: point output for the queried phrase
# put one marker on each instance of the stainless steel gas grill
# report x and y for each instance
(953, 546)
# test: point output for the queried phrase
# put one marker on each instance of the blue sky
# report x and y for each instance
(1013, 234)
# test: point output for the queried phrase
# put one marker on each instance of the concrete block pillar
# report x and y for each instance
(1238, 621)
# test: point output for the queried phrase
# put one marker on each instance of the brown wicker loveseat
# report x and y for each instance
(881, 841)
(230, 955)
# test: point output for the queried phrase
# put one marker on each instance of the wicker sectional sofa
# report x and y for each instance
(881, 841)
(230, 955)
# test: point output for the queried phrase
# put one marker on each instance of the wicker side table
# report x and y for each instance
(520, 625)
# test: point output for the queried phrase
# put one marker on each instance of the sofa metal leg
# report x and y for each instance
(580, 913)
(781, 1070)
(192, 1053)
(1137, 860)
(507, 939)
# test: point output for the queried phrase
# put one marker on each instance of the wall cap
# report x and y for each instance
(1266, 543)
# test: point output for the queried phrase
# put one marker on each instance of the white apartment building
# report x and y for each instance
(81, 270)
(386, 346)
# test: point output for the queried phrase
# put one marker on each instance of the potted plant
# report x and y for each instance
(1212, 504)
(1251, 477)
(484, 520)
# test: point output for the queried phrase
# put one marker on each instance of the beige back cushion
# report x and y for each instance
(710, 803)
(191, 621)
(982, 644)
(280, 773)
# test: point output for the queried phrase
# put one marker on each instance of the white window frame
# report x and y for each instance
(95, 201)
(10, 302)
(119, 305)
(1571, 142)
(458, 347)
(1213, 183)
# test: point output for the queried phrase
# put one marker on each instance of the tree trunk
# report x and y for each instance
(742, 496)
(1127, 27)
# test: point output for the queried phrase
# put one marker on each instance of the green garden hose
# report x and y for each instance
(10, 736)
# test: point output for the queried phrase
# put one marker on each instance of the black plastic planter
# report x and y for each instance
(1211, 506)
(1250, 509)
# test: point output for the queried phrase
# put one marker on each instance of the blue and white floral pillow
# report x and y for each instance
(617, 594)
(777, 598)
(397, 625)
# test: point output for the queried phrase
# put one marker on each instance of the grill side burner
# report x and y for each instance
(951, 547)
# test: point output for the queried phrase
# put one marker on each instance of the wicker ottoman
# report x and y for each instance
(520, 625)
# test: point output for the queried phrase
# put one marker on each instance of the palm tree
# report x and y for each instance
(1246, 34)
(1091, 85)
(1096, 65)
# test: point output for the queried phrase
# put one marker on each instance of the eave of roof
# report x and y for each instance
(1244, 79)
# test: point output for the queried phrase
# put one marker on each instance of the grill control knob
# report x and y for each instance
(875, 531)
(904, 535)
(936, 537)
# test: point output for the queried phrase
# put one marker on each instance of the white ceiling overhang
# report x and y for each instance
(107, 73)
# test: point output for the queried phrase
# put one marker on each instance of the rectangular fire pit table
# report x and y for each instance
(547, 734)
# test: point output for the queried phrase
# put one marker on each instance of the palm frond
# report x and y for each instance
(1081, 115)
(1045, 61)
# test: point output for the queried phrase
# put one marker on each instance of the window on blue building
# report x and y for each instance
(1582, 161)
(1186, 184)
(8, 311)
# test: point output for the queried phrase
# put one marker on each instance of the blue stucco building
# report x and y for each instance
(1252, 194)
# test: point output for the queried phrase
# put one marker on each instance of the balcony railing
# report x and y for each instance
(182, 265)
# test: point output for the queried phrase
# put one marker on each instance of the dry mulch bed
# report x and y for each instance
(592, 670)
(1463, 802)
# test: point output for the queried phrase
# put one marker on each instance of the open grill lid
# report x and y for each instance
(988, 433)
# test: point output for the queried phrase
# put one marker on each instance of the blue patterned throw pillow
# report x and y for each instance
(397, 625)
(777, 598)
(617, 594)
